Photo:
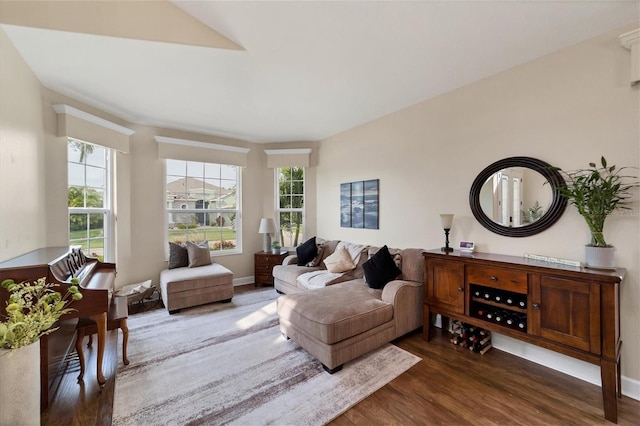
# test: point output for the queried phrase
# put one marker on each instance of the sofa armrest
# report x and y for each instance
(407, 298)
(292, 259)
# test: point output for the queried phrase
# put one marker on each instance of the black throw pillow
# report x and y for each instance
(380, 269)
(307, 251)
(178, 256)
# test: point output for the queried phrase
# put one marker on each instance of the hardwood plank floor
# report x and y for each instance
(450, 386)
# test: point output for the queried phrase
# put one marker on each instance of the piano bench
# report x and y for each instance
(187, 287)
(116, 319)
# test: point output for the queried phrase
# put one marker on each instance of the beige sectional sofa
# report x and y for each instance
(346, 318)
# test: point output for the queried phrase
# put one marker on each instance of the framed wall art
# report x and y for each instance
(359, 204)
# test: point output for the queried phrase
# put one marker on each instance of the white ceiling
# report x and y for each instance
(309, 69)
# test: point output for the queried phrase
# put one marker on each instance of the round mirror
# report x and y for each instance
(517, 197)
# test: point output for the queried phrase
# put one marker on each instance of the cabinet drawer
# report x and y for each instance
(505, 279)
(264, 278)
(263, 268)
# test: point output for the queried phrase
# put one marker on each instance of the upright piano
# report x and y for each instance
(60, 265)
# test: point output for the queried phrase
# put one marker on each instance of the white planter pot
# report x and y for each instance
(275, 251)
(599, 257)
(20, 390)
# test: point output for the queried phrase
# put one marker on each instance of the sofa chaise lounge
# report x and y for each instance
(347, 318)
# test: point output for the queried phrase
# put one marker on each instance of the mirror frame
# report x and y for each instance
(553, 213)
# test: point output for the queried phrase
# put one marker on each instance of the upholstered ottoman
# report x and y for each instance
(187, 287)
(338, 323)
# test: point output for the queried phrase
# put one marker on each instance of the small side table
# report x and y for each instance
(263, 263)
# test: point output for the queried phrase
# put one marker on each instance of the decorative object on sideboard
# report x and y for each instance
(490, 201)
(597, 192)
(267, 227)
(359, 204)
(275, 247)
(447, 221)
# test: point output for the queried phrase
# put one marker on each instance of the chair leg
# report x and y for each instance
(80, 351)
(125, 339)
(90, 340)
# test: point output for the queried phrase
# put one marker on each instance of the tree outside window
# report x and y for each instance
(290, 207)
(89, 198)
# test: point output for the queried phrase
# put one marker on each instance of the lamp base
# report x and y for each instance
(446, 249)
(267, 243)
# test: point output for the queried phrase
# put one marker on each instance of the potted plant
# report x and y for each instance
(275, 247)
(31, 311)
(596, 192)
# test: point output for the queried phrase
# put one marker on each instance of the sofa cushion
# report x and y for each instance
(380, 269)
(178, 256)
(339, 261)
(307, 251)
(290, 273)
(199, 254)
(337, 312)
(412, 265)
(316, 260)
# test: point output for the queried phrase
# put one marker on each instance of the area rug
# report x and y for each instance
(229, 364)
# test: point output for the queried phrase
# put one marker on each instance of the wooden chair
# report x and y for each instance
(116, 318)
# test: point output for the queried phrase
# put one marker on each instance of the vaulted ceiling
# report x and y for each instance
(285, 71)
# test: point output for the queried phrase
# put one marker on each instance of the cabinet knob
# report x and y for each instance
(494, 278)
(460, 289)
(535, 306)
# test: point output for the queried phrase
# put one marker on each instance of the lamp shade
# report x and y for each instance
(447, 220)
(267, 226)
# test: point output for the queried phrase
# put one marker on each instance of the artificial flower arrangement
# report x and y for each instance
(32, 310)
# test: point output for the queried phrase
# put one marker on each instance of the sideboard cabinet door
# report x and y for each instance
(445, 285)
(566, 311)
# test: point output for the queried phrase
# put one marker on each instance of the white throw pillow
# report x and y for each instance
(339, 261)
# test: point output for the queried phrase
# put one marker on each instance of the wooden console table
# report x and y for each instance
(571, 310)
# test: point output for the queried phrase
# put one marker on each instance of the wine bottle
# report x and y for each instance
(522, 302)
(487, 295)
(512, 319)
(477, 293)
(499, 316)
(510, 300)
(490, 315)
(498, 297)
(522, 322)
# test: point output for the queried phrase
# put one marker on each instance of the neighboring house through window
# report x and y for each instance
(89, 169)
(202, 204)
(290, 205)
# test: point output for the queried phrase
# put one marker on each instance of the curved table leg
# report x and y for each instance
(80, 351)
(101, 323)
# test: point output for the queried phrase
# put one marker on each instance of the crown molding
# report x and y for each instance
(69, 110)
(197, 144)
(293, 151)
(630, 38)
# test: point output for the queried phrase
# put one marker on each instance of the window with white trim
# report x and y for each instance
(290, 205)
(203, 204)
(89, 181)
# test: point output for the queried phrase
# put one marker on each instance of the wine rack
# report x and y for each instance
(476, 339)
(502, 307)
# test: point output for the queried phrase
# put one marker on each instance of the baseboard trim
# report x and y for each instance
(243, 281)
(573, 367)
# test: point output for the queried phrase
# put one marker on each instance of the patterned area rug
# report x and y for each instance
(229, 364)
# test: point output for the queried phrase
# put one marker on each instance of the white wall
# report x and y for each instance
(22, 159)
(568, 109)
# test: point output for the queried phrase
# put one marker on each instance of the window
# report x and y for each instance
(290, 205)
(89, 193)
(203, 204)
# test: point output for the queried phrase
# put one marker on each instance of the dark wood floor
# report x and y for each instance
(450, 386)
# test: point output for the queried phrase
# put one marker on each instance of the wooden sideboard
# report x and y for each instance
(571, 310)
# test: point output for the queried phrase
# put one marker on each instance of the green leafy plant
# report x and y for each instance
(275, 245)
(596, 192)
(32, 310)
